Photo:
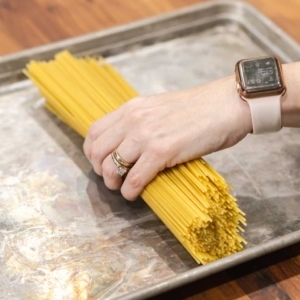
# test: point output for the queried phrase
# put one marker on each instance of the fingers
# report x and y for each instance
(114, 131)
(103, 146)
(111, 178)
(129, 153)
(130, 150)
(148, 161)
(99, 127)
(143, 171)
(146, 167)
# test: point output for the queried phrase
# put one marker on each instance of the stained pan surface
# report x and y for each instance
(63, 234)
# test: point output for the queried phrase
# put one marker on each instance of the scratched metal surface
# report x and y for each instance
(63, 235)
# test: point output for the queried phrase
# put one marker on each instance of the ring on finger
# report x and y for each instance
(121, 161)
(122, 166)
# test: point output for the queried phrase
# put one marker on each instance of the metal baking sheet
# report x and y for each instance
(63, 235)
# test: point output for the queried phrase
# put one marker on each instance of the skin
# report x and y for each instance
(163, 130)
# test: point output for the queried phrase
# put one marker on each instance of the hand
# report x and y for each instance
(160, 131)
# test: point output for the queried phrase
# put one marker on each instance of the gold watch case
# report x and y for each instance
(252, 91)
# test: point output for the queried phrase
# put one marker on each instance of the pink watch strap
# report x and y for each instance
(265, 114)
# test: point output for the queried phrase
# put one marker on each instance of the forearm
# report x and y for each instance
(290, 105)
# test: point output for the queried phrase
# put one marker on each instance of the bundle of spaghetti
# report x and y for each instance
(192, 199)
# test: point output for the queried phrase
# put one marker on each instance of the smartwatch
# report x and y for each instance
(260, 82)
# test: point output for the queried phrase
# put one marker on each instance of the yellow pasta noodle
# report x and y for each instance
(192, 199)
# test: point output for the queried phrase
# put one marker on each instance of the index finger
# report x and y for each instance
(99, 127)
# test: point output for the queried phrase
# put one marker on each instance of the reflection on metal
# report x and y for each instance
(63, 234)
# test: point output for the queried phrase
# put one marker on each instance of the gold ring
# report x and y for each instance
(121, 168)
(121, 161)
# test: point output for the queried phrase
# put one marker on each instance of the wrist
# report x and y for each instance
(243, 114)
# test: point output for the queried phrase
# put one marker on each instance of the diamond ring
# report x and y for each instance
(123, 167)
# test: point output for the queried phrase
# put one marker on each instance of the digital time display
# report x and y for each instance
(260, 75)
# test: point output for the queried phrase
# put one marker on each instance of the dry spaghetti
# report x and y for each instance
(192, 199)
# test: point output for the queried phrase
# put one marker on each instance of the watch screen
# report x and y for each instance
(260, 75)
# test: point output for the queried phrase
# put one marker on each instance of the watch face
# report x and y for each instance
(260, 75)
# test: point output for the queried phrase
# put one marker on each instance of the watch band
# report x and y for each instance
(265, 114)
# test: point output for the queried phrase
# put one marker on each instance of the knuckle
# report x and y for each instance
(137, 114)
(135, 101)
(97, 169)
(86, 150)
(130, 105)
(136, 109)
(134, 179)
(135, 141)
(164, 155)
(93, 131)
(160, 150)
(108, 173)
(94, 152)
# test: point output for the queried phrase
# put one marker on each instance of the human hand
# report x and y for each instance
(160, 131)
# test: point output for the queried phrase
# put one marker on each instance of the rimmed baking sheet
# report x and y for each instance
(63, 234)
